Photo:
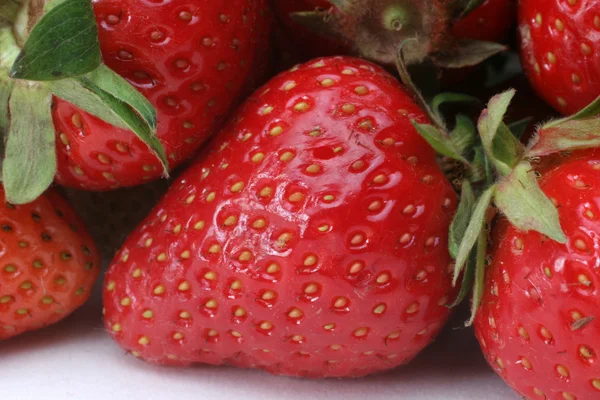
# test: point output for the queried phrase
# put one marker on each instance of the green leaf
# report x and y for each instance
(452, 98)
(459, 224)
(438, 140)
(468, 53)
(520, 198)
(477, 173)
(143, 129)
(30, 160)
(463, 135)
(479, 284)
(475, 227)
(63, 44)
(501, 147)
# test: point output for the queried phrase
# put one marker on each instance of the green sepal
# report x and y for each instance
(30, 158)
(523, 202)
(107, 92)
(63, 44)
(467, 53)
(476, 225)
(459, 224)
(579, 131)
(438, 140)
(467, 281)
(502, 148)
(478, 171)
(479, 281)
(463, 135)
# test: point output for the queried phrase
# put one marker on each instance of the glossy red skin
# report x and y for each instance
(520, 293)
(491, 22)
(203, 91)
(414, 294)
(555, 81)
(49, 239)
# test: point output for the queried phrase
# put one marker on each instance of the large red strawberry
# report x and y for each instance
(538, 321)
(559, 50)
(310, 240)
(191, 59)
(374, 29)
(48, 263)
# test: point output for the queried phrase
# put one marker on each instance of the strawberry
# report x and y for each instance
(375, 29)
(537, 324)
(48, 263)
(193, 63)
(559, 50)
(309, 240)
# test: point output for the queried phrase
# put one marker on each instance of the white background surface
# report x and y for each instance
(75, 359)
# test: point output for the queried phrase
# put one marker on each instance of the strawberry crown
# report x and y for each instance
(375, 29)
(499, 172)
(58, 56)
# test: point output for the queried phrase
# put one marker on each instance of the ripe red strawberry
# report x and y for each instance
(48, 263)
(193, 62)
(309, 241)
(559, 50)
(489, 22)
(538, 321)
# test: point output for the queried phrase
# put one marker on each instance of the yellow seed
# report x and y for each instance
(109, 176)
(596, 384)
(523, 333)
(568, 396)
(231, 220)
(148, 242)
(259, 223)
(185, 315)
(266, 325)
(64, 139)
(546, 333)
(375, 205)
(311, 288)
(329, 327)
(110, 286)
(538, 392)
(199, 225)
(310, 260)
(328, 197)
(296, 197)
(236, 285)
(210, 275)
(267, 110)
(301, 107)
(178, 336)
(361, 90)
(273, 268)
(348, 71)
(560, 26)
(210, 197)
(236, 334)
(327, 82)
(379, 309)
(160, 289)
(381, 178)
(245, 256)
(323, 228)
(26, 285)
(562, 370)
(214, 249)
(266, 192)
(236, 187)
(125, 301)
(148, 314)
(383, 278)
(295, 313)
(287, 156)
(268, 295)
(185, 255)
(348, 108)
(116, 328)
(239, 312)
(313, 169)
(297, 338)
(183, 286)
(585, 352)
(340, 302)
(212, 303)
(212, 333)
(278, 130)
(586, 49)
(144, 341)
(561, 102)
(551, 58)
(361, 332)
(258, 157)
(177, 229)
(289, 86)
(413, 308)
(358, 165)
(47, 300)
(538, 18)
(78, 170)
(161, 257)
(526, 363)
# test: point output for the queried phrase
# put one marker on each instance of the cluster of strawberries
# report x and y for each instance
(319, 232)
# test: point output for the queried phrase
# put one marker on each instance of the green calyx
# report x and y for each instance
(503, 176)
(60, 57)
